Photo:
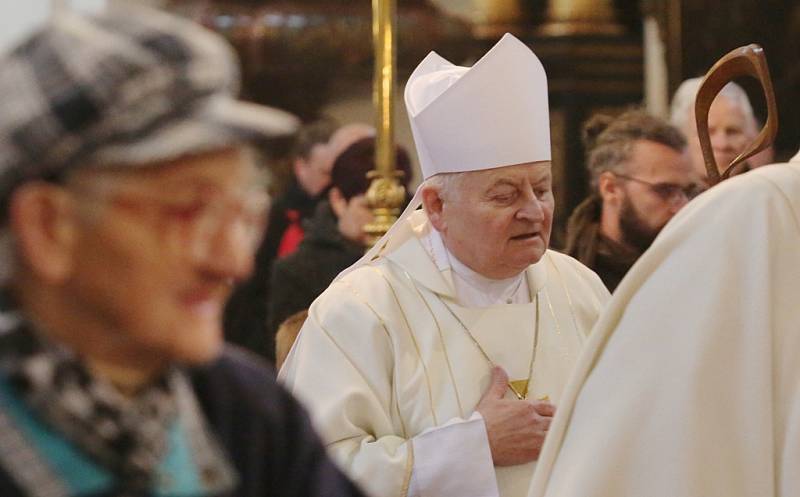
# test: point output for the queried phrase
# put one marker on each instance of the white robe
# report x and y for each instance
(690, 383)
(392, 379)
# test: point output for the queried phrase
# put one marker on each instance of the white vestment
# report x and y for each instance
(392, 378)
(690, 382)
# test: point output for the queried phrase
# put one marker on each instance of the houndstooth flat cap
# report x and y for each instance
(127, 86)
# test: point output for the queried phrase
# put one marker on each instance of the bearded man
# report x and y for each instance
(434, 365)
(641, 176)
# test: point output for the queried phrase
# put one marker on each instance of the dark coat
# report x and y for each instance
(609, 259)
(299, 278)
(245, 318)
(266, 432)
(263, 429)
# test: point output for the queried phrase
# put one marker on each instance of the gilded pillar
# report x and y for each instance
(386, 194)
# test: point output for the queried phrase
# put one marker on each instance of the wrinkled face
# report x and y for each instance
(158, 250)
(730, 131)
(314, 172)
(498, 221)
(664, 177)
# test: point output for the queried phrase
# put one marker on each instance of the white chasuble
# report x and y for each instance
(690, 382)
(391, 368)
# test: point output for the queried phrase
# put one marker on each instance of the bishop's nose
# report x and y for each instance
(533, 210)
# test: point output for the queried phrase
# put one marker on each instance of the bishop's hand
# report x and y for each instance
(516, 428)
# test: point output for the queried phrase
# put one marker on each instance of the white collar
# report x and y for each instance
(473, 289)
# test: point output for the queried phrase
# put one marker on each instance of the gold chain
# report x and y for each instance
(517, 393)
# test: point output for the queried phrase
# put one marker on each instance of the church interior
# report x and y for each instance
(315, 57)
(472, 248)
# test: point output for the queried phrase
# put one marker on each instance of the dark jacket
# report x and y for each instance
(299, 278)
(245, 319)
(609, 259)
(264, 431)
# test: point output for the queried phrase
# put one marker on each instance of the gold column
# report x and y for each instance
(386, 193)
(580, 17)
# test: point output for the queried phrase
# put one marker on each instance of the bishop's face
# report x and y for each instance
(498, 221)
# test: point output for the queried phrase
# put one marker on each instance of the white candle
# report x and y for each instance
(656, 93)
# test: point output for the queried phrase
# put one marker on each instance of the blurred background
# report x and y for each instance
(314, 57)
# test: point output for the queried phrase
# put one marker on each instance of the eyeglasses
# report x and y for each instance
(669, 192)
(192, 217)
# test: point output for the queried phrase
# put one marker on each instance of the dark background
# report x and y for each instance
(302, 54)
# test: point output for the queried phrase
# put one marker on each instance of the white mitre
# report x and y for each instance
(490, 115)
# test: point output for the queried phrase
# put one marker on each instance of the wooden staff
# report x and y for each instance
(743, 61)
(385, 194)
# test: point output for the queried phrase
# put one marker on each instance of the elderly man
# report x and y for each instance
(731, 125)
(641, 176)
(129, 207)
(434, 365)
(690, 383)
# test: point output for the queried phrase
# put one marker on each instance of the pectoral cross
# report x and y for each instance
(520, 388)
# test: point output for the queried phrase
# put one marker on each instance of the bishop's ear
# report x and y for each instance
(42, 220)
(434, 206)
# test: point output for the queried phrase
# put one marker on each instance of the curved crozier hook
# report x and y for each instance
(743, 61)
